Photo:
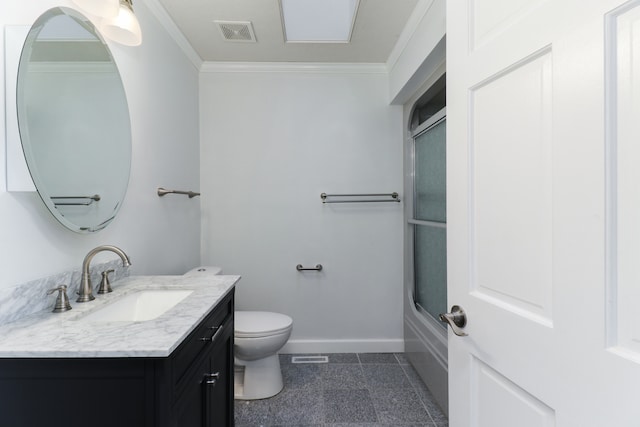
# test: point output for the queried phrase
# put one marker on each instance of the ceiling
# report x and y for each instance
(378, 26)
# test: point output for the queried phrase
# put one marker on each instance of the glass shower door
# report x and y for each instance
(430, 217)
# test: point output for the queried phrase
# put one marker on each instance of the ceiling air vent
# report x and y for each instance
(236, 31)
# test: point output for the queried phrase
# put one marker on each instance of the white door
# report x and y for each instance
(543, 188)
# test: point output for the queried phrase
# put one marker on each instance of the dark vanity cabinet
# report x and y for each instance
(203, 379)
(193, 387)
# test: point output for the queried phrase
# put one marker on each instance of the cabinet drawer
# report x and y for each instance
(201, 338)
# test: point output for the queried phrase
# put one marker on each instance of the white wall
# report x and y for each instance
(271, 142)
(160, 235)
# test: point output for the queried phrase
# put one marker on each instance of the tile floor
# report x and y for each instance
(352, 390)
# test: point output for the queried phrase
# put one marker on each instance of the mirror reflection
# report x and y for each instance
(74, 120)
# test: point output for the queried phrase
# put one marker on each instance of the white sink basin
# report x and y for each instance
(138, 307)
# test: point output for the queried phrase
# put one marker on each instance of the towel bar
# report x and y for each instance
(394, 197)
(87, 200)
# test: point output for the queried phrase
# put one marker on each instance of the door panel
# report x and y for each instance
(498, 401)
(510, 191)
(543, 207)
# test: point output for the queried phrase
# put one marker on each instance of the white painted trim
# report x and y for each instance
(293, 67)
(344, 346)
(410, 28)
(174, 32)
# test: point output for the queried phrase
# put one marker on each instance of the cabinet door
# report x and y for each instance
(190, 408)
(33, 391)
(219, 392)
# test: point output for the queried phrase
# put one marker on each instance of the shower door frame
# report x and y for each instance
(425, 339)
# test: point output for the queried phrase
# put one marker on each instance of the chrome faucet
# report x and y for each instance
(86, 291)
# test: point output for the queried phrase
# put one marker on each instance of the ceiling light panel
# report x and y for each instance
(318, 21)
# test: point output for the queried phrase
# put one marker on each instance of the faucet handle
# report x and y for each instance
(62, 301)
(105, 285)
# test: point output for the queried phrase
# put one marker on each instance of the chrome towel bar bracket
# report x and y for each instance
(356, 198)
(162, 192)
(318, 267)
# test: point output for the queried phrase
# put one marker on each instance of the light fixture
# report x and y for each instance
(318, 21)
(101, 8)
(124, 28)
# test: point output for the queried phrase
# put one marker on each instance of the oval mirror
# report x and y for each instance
(74, 120)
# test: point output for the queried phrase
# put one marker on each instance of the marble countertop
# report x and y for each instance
(56, 335)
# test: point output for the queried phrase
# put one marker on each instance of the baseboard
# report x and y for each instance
(343, 346)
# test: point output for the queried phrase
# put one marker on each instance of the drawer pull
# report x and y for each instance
(211, 379)
(214, 336)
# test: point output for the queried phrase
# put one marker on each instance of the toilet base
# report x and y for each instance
(257, 379)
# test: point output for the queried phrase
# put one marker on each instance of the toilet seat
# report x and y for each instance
(256, 324)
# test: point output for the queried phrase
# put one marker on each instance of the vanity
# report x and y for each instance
(85, 367)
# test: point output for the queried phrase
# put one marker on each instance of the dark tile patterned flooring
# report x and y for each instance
(352, 390)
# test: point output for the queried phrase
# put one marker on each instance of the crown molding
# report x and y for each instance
(293, 67)
(174, 32)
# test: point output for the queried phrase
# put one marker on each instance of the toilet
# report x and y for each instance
(258, 336)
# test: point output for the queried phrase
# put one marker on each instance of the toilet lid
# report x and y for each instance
(252, 324)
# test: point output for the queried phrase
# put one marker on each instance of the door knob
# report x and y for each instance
(456, 319)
